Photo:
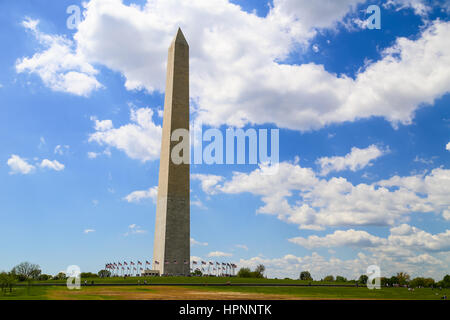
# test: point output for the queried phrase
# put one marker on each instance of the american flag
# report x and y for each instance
(146, 262)
(120, 264)
(186, 262)
(194, 262)
(203, 262)
(125, 263)
(156, 262)
(217, 263)
(175, 261)
(132, 263)
(166, 262)
(140, 263)
(211, 263)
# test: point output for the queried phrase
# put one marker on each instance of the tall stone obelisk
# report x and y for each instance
(171, 253)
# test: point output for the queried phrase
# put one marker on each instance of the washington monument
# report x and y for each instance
(171, 253)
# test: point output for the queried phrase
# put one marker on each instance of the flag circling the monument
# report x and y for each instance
(156, 262)
(186, 262)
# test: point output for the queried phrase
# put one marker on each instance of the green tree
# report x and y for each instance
(259, 271)
(197, 273)
(363, 279)
(26, 271)
(244, 273)
(445, 283)
(104, 273)
(60, 276)
(393, 281)
(6, 281)
(341, 279)
(44, 277)
(305, 275)
(403, 278)
(328, 278)
(88, 275)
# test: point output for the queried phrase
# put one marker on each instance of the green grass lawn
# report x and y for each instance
(339, 292)
(133, 292)
(25, 293)
(191, 280)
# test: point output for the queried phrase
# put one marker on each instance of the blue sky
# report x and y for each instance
(363, 118)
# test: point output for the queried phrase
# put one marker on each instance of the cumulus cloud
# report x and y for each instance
(357, 159)
(335, 202)
(134, 229)
(138, 196)
(401, 237)
(236, 75)
(208, 181)
(340, 238)
(447, 147)
(198, 243)
(19, 165)
(219, 254)
(61, 150)
(52, 165)
(319, 266)
(140, 139)
(87, 231)
(60, 66)
(420, 7)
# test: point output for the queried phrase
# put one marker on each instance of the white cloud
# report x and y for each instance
(134, 229)
(138, 196)
(52, 165)
(61, 150)
(236, 77)
(219, 254)
(423, 160)
(319, 266)
(420, 7)
(198, 243)
(340, 238)
(95, 155)
(357, 159)
(242, 246)
(337, 202)
(447, 147)
(87, 231)
(306, 15)
(208, 181)
(60, 66)
(401, 238)
(19, 165)
(140, 139)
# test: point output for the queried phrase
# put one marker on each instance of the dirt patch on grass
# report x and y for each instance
(156, 293)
